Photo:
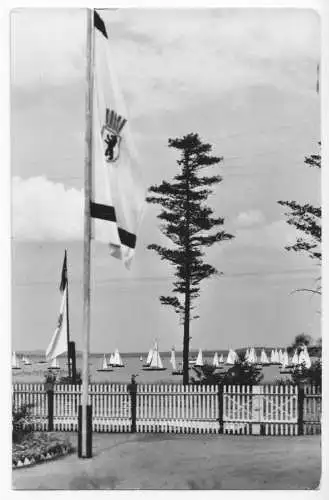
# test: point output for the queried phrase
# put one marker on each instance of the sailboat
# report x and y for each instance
(26, 361)
(105, 367)
(175, 371)
(232, 357)
(304, 358)
(149, 358)
(54, 364)
(141, 358)
(285, 363)
(116, 360)
(15, 362)
(199, 359)
(156, 362)
(215, 361)
(263, 358)
(221, 359)
(295, 359)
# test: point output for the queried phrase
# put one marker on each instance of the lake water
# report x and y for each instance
(35, 373)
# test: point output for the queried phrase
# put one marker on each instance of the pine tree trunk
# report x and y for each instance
(186, 339)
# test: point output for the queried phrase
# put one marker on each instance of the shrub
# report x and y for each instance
(312, 375)
(241, 373)
(22, 421)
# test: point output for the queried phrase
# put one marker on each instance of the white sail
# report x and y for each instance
(173, 359)
(27, 361)
(116, 359)
(149, 356)
(252, 359)
(276, 357)
(295, 359)
(280, 356)
(272, 357)
(54, 363)
(247, 355)
(285, 359)
(199, 359)
(263, 357)
(156, 360)
(221, 358)
(304, 358)
(231, 357)
(14, 361)
(215, 361)
(104, 364)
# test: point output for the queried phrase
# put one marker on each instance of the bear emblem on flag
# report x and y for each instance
(111, 131)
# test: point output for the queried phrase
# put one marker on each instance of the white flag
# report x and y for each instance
(58, 343)
(118, 197)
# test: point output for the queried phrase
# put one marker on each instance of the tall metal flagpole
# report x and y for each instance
(84, 444)
(67, 318)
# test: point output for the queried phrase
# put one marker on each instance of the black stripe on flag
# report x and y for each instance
(99, 24)
(106, 212)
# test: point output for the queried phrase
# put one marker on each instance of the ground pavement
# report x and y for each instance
(173, 461)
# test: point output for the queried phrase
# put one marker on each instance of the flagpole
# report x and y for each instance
(67, 317)
(85, 437)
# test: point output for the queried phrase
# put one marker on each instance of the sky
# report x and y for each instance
(244, 79)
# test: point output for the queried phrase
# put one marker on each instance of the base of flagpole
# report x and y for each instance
(88, 435)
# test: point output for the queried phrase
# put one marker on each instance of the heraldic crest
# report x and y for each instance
(111, 131)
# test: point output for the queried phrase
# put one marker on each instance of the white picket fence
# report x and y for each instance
(177, 408)
(261, 409)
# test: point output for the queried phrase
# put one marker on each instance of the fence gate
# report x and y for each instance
(260, 409)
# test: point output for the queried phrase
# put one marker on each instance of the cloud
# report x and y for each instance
(278, 234)
(170, 55)
(45, 210)
(250, 218)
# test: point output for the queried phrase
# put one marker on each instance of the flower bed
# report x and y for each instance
(38, 447)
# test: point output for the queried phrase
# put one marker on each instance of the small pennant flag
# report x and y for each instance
(63, 282)
(58, 343)
(118, 197)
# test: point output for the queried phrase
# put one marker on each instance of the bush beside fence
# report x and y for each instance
(231, 409)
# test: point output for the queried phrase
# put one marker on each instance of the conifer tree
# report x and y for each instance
(187, 221)
(306, 218)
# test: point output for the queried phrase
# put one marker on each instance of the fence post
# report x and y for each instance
(301, 397)
(132, 388)
(256, 409)
(50, 402)
(221, 408)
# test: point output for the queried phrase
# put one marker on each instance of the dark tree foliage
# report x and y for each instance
(301, 340)
(240, 373)
(187, 221)
(307, 219)
(313, 375)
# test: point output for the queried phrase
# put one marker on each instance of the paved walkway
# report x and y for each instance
(168, 461)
